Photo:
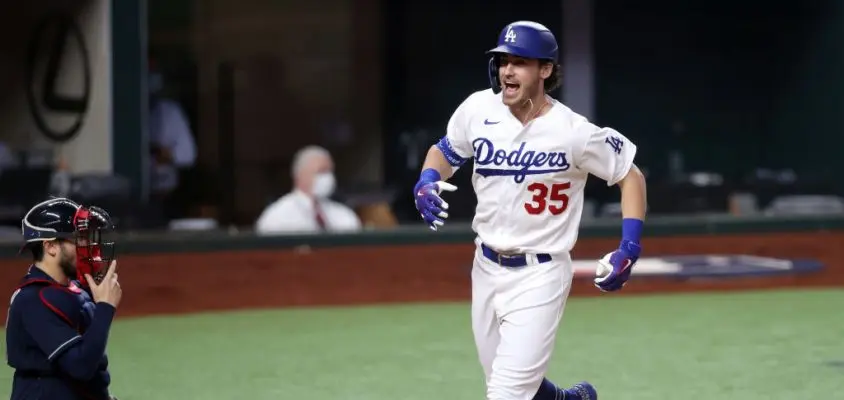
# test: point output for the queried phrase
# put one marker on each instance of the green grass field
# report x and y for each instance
(763, 345)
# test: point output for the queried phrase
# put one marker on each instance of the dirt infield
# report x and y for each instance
(192, 282)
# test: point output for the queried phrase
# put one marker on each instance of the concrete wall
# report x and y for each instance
(90, 149)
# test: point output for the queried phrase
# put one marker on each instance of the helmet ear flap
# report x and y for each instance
(494, 82)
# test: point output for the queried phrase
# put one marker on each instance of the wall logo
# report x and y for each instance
(58, 54)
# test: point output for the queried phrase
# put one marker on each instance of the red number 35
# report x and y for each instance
(554, 199)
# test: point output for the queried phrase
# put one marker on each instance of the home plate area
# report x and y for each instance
(708, 266)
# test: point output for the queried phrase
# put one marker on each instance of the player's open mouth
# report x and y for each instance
(510, 88)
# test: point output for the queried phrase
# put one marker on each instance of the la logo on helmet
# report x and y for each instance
(510, 36)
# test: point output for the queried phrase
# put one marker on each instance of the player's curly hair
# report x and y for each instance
(555, 80)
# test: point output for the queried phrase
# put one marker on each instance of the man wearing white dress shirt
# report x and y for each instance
(308, 209)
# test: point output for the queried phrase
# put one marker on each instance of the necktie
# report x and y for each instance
(320, 219)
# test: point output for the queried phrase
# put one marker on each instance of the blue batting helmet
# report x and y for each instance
(526, 39)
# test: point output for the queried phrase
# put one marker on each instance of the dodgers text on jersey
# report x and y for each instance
(526, 162)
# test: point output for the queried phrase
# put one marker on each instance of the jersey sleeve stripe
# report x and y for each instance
(64, 346)
(451, 156)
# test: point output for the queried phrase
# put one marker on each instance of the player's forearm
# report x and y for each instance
(82, 360)
(634, 204)
(436, 161)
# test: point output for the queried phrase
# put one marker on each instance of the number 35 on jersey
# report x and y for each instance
(551, 198)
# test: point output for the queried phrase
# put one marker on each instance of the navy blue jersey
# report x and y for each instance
(55, 340)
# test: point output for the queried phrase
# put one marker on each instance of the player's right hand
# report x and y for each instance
(108, 290)
(429, 203)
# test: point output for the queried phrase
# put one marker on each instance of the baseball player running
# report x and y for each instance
(532, 156)
(55, 333)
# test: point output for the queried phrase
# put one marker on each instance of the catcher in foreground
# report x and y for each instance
(62, 310)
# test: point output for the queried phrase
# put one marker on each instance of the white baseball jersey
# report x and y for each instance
(529, 179)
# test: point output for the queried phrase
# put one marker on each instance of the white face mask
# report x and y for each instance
(323, 185)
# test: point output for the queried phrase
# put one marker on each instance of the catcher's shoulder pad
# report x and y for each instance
(65, 301)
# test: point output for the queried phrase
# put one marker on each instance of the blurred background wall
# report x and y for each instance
(55, 83)
(262, 79)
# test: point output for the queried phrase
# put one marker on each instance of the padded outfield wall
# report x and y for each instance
(190, 272)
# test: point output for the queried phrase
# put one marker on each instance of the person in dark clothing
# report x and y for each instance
(62, 310)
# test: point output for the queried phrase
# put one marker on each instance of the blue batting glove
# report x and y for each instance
(614, 268)
(428, 201)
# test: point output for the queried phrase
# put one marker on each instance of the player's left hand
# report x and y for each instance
(614, 268)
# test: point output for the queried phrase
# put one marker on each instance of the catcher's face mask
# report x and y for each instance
(94, 251)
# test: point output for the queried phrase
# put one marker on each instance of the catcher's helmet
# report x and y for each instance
(64, 219)
(526, 39)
